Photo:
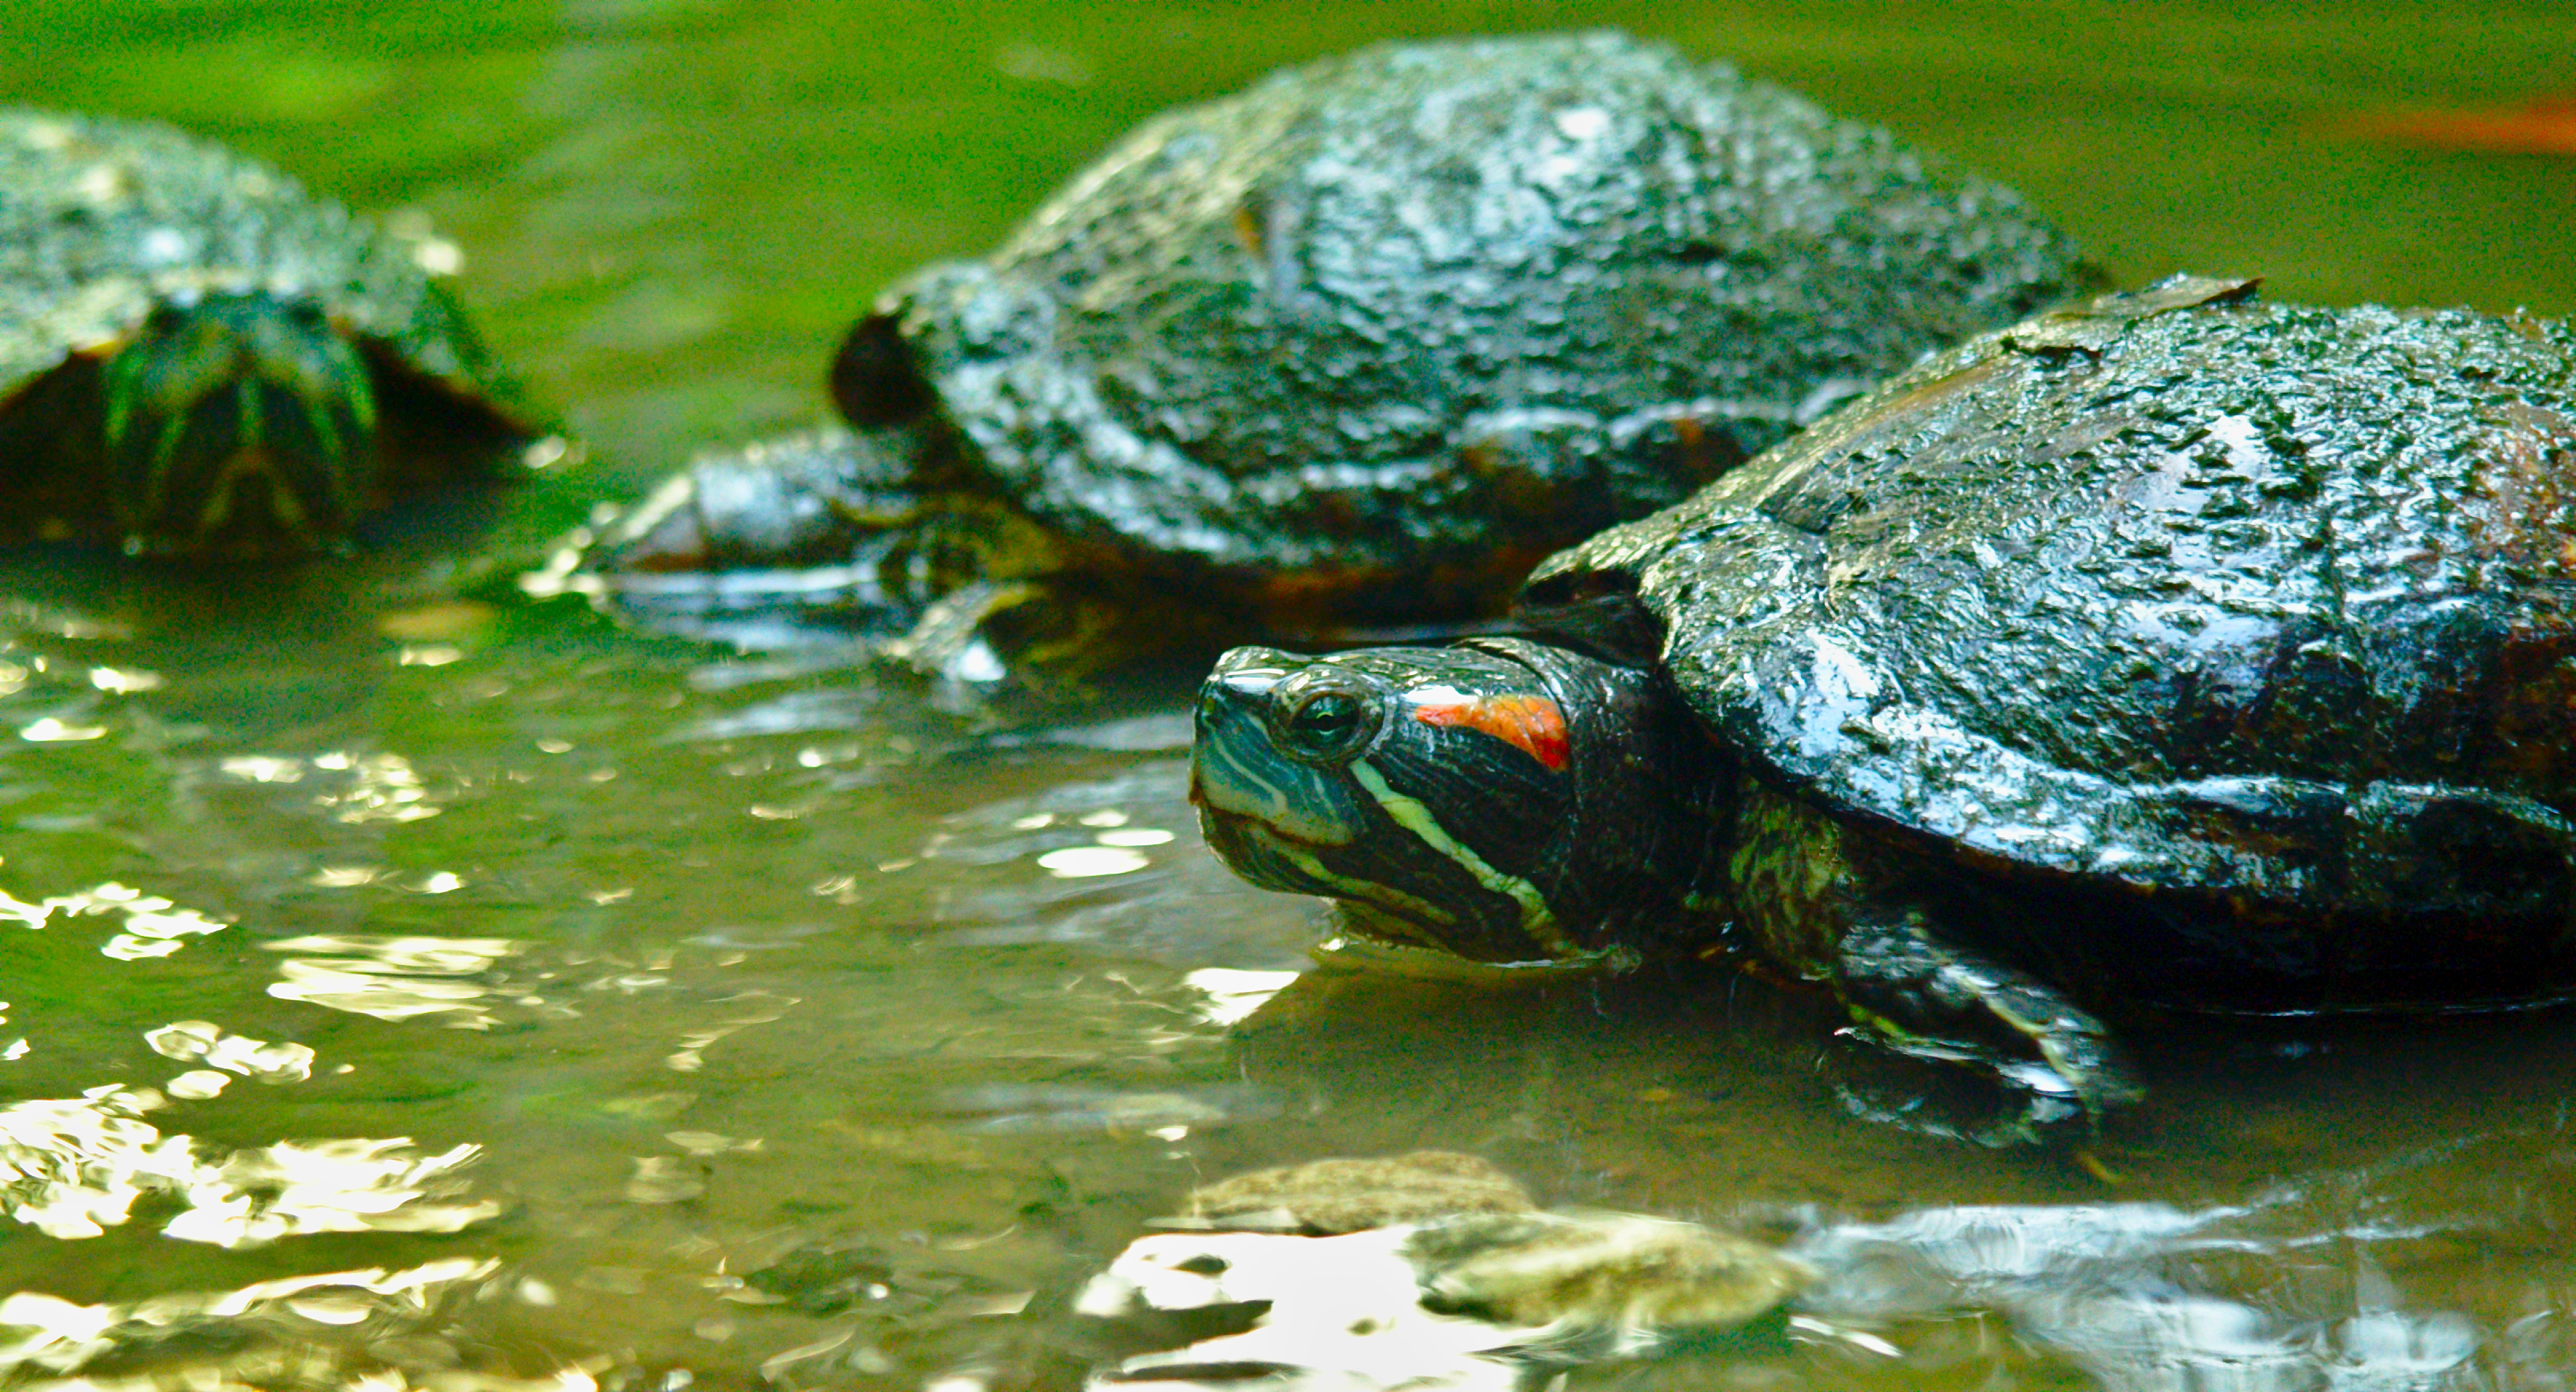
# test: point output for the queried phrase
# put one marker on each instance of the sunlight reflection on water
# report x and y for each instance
(399, 978)
(72, 1168)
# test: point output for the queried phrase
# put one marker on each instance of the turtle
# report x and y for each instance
(200, 360)
(1351, 349)
(2176, 654)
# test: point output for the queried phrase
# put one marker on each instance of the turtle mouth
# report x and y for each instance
(1264, 857)
(249, 502)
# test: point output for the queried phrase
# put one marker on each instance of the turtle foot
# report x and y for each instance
(1923, 999)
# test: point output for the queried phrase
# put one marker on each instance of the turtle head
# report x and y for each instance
(1500, 800)
(237, 425)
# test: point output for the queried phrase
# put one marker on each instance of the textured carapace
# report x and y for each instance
(2268, 610)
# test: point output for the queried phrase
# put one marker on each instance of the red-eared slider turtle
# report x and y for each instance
(1360, 345)
(198, 359)
(2180, 651)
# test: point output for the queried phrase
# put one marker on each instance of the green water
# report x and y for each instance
(705, 959)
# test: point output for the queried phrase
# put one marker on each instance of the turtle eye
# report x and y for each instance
(1329, 725)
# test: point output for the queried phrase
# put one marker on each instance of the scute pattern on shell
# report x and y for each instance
(1355, 323)
(2182, 592)
(99, 217)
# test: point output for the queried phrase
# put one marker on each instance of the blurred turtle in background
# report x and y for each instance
(200, 361)
(1351, 349)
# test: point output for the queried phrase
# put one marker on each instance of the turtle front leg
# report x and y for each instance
(1848, 909)
(1914, 992)
(795, 502)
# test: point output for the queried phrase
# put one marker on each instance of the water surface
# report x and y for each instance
(463, 997)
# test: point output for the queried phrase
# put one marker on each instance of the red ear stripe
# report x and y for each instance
(1531, 724)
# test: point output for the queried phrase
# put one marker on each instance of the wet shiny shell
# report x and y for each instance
(99, 218)
(2183, 593)
(1403, 321)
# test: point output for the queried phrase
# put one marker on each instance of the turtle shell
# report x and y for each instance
(1333, 336)
(101, 219)
(2261, 606)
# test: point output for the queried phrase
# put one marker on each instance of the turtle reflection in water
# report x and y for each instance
(2180, 651)
(198, 360)
(1354, 347)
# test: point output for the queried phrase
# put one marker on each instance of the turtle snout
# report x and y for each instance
(1238, 772)
(1248, 674)
(1230, 703)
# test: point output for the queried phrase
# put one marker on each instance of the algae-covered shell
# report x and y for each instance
(104, 221)
(2259, 619)
(1382, 330)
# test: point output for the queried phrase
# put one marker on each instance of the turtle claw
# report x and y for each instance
(948, 643)
(1916, 995)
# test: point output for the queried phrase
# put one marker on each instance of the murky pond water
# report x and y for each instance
(415, 991)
